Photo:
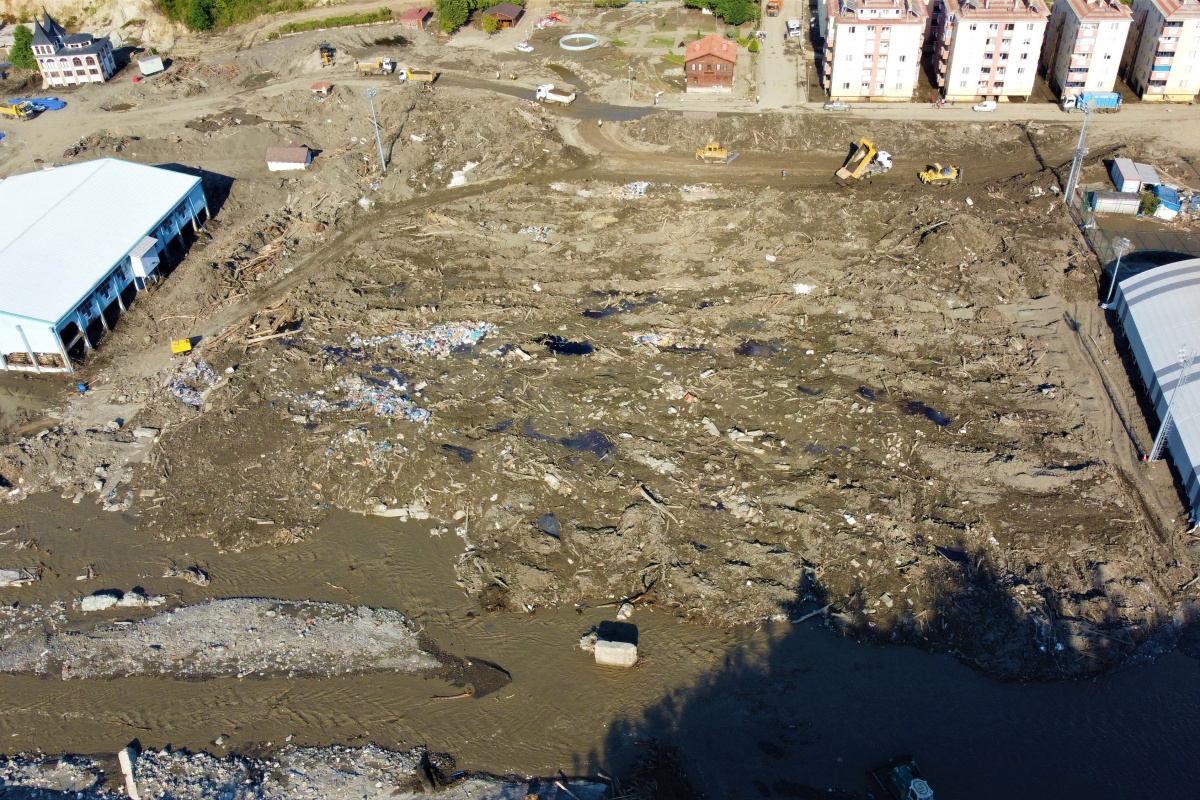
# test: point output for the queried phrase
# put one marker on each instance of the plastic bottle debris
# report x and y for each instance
(439, 342)
(191, 383)
(540, 233)
(631, 191)
(384, 400)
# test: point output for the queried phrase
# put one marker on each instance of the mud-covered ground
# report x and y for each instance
(862, 399)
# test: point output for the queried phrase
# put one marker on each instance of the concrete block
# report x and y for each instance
(616, 654)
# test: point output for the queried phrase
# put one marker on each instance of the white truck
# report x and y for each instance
(793, 28)
(546, 94)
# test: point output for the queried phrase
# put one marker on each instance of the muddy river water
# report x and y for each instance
(754, 712)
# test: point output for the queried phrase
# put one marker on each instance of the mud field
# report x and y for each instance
(592, 372)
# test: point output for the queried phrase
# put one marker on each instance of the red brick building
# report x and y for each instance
(708, 64)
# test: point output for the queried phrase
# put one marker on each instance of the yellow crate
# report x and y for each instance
(181, 346)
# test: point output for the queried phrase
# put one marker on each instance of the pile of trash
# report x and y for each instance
(440, 342)
(385, 399)
(540, 233)
(666, 340)
(631, 191)
(191, 382)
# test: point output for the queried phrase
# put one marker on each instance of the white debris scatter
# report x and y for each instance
(459, 176)
(439, 342)
(802, 288)
(17, 577)
(294, 773)
(238, 637)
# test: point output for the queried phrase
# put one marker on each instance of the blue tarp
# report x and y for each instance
(1168, 197)
(1, 135)
(48, 103)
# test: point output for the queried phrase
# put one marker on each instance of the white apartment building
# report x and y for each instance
(872, 48)
(1084, 45)
(1162, 61)
(988, 49)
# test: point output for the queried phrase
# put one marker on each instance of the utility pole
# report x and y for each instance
(1121, 245)
(1080, 151)
(371, 100)
(1186, 357)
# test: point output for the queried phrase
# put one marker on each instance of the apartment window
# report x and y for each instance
(1174, 24)
(1074, 84)
(870, 29)
(94, 71)
(986, 70)
(962, 84)
(994, 26)
(881, 87)
(1020, 70)
(1024, 56)
(999, 84)
(867, 58)
(887, 29)
(966, 70)
(990, 42)
(1027, 42)
(1116, 26)
(1004, 56)
(973, 27)
(1005, 42)
(903, 59)
(846, 85)
(1158, 83)
(850, 58)
(1029, 26)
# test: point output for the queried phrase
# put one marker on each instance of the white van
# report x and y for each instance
(793, 28)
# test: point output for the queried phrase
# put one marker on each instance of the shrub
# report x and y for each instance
(452, 14)
(1149, 204)
(753, 48)
(489, 24)
(21, 52)
(199, 15)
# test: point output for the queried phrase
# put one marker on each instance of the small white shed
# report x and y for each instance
(1148, 175)
(288, 157)
(151, 65)
(1125, 175)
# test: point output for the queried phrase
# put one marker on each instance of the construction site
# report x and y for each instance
(738, 380)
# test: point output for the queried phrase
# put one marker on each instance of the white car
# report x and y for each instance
(986, 105)
(525, 47)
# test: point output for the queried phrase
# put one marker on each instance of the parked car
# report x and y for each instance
(525, 47)
(837, 105)
(986, 105)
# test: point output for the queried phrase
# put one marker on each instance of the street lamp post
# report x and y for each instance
(1121, 246)
(375, 122)
(629, 67)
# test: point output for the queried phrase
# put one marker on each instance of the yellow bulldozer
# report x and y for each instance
(327, 52)
(713, 153)
(939, 174)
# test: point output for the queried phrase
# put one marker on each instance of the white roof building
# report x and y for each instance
(66, 236)
(1160, 314)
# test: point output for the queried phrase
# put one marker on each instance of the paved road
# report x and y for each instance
(780, 68)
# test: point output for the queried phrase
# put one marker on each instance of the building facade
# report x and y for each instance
(67, 60)
(1084, 44)
(872, 48)
(1162, 61)
(988, 49)
(709, 64)
(79, 243)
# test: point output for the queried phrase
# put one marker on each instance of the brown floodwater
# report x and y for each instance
(755, 712)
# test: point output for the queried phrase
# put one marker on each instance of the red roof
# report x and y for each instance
(416, 13)
(323, 86)
(712, 45)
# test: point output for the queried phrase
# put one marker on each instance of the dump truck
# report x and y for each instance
(416, 75)
(713, 153)
(546, 94)
(327, 52)
(382, 65)
(773, 7)
(939, 174)
(865, 161)
(21, 109)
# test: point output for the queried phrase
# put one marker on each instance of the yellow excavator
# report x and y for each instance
(327, 52)
(938, 174)
(865, 161)
(713, 153)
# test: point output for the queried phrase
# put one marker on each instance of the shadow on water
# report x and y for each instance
(804, 712)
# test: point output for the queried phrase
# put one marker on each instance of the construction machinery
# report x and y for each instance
(416, 75)
(21, 109)
(939, 174)
(865, 161)
(713, 153)
(383, 66)
(547, 94)
(327, 52)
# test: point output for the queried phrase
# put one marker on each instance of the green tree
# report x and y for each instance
(489, 24)
(199, 15)
(452, 14)
(21, 53)
(753, 48)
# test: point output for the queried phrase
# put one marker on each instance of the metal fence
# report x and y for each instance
(1100, 239)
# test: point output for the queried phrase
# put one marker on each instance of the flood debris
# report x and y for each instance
(441, 341)
(191, 382)
(104, 599)
(17, 577)
(193, 575)
(227, 638)
(928, 412)
(559, 346)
